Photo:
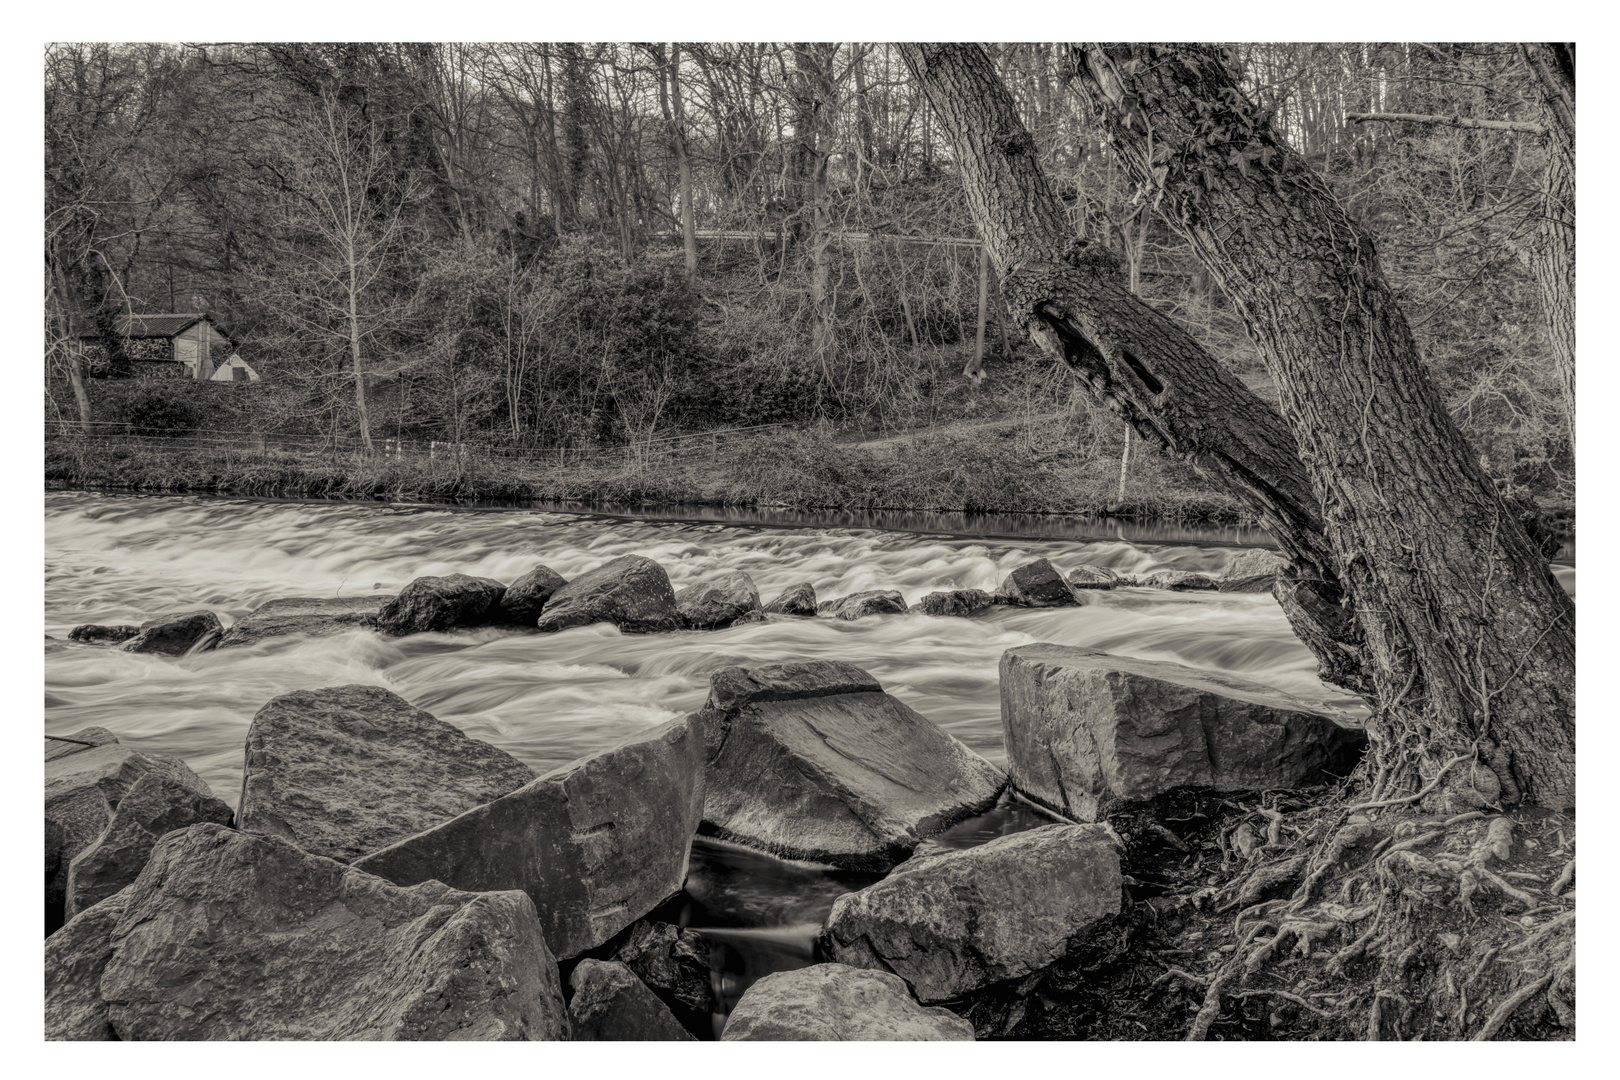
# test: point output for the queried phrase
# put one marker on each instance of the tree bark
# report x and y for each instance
(813, 69)
(1077, 306)
(1554, 66)
(1470, 642)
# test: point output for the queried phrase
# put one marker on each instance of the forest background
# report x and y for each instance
(600, 245)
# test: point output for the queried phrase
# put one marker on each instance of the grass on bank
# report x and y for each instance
(1023, 469)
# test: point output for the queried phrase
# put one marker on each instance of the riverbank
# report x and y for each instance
(1012, 471)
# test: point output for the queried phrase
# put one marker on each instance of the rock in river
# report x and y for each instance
(813, 761)
(856, 605)
(155, 805)
(1085, 730)
(799, 600)
(631, 592)
(312, 615)
(1179, 581)
(442, 603)
(94, 634)
(965, 919)
(1037, 584)
(526, 597)
(964, 603)
(227, 935)
(597, 843)
(1093, 577)
(176, 634)
(611, 1005)
(346, 770)
(725, 601)
(674, 963)
(838, 1003)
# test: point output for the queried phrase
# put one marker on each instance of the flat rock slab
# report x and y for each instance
(231, 936)
(611, 1005)
(813, 761)
(1085, 730)
(965, 919)
(1179, 581)
(799, 600)
(95, 634)
(861, 604)
(526, 597)
(315, 616)
(436, 604)
(725, 601)
(631, 592)
(82, 792)
(597, 843)
(157, 804)
(963, 603)
(1037, 584)
(350, 769)
(76, 743)
(838, 1003)
(177, 634)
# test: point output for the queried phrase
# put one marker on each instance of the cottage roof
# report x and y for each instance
(166, 325)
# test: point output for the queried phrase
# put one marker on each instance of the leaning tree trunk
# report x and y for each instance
(1470, 642)
(1554, 66)
(1078, 306)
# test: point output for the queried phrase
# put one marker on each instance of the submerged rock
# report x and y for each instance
(611, 1005)
(1093, 577)
(82, 792)
(75, 959)
(632, 592)
(1037, 584)
(346, 770)
(799, 600)
(597, 843)
(1178, 581)
(229, 935)
(93, 634)
(155, 805)
(965, 919)
(963, 603)
(871, 602)
(432, 604)
(674, 963)
(725, 601)
(813, 761)
(176, 634)
(315, 616)
(838, 1003)
(1085, 730)
(526, 597)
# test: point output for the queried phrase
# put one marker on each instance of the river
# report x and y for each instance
(548, 699)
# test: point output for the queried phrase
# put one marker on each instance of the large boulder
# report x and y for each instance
(964, 603)
(177, 634)
(82, 792)
(1085, 730)
(813, 761)
(75, 959)
(597, 843)
(1178, 581)
(526, 597)
(155, 805)
(1093, 577)
(228, 935)
(968, 918)
(95, 634)
(673, 963)
(611, 1005)
(442, 603)
(632, 592)
(858, 605)
(838, 1003)
(346, 770)
(713, 605)
(1036, 584)
(799, 600)
(315, 616)
(1252, 571)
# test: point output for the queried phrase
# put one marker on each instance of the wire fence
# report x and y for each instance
(664, 448)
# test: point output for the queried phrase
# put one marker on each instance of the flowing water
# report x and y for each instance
(548, 699)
